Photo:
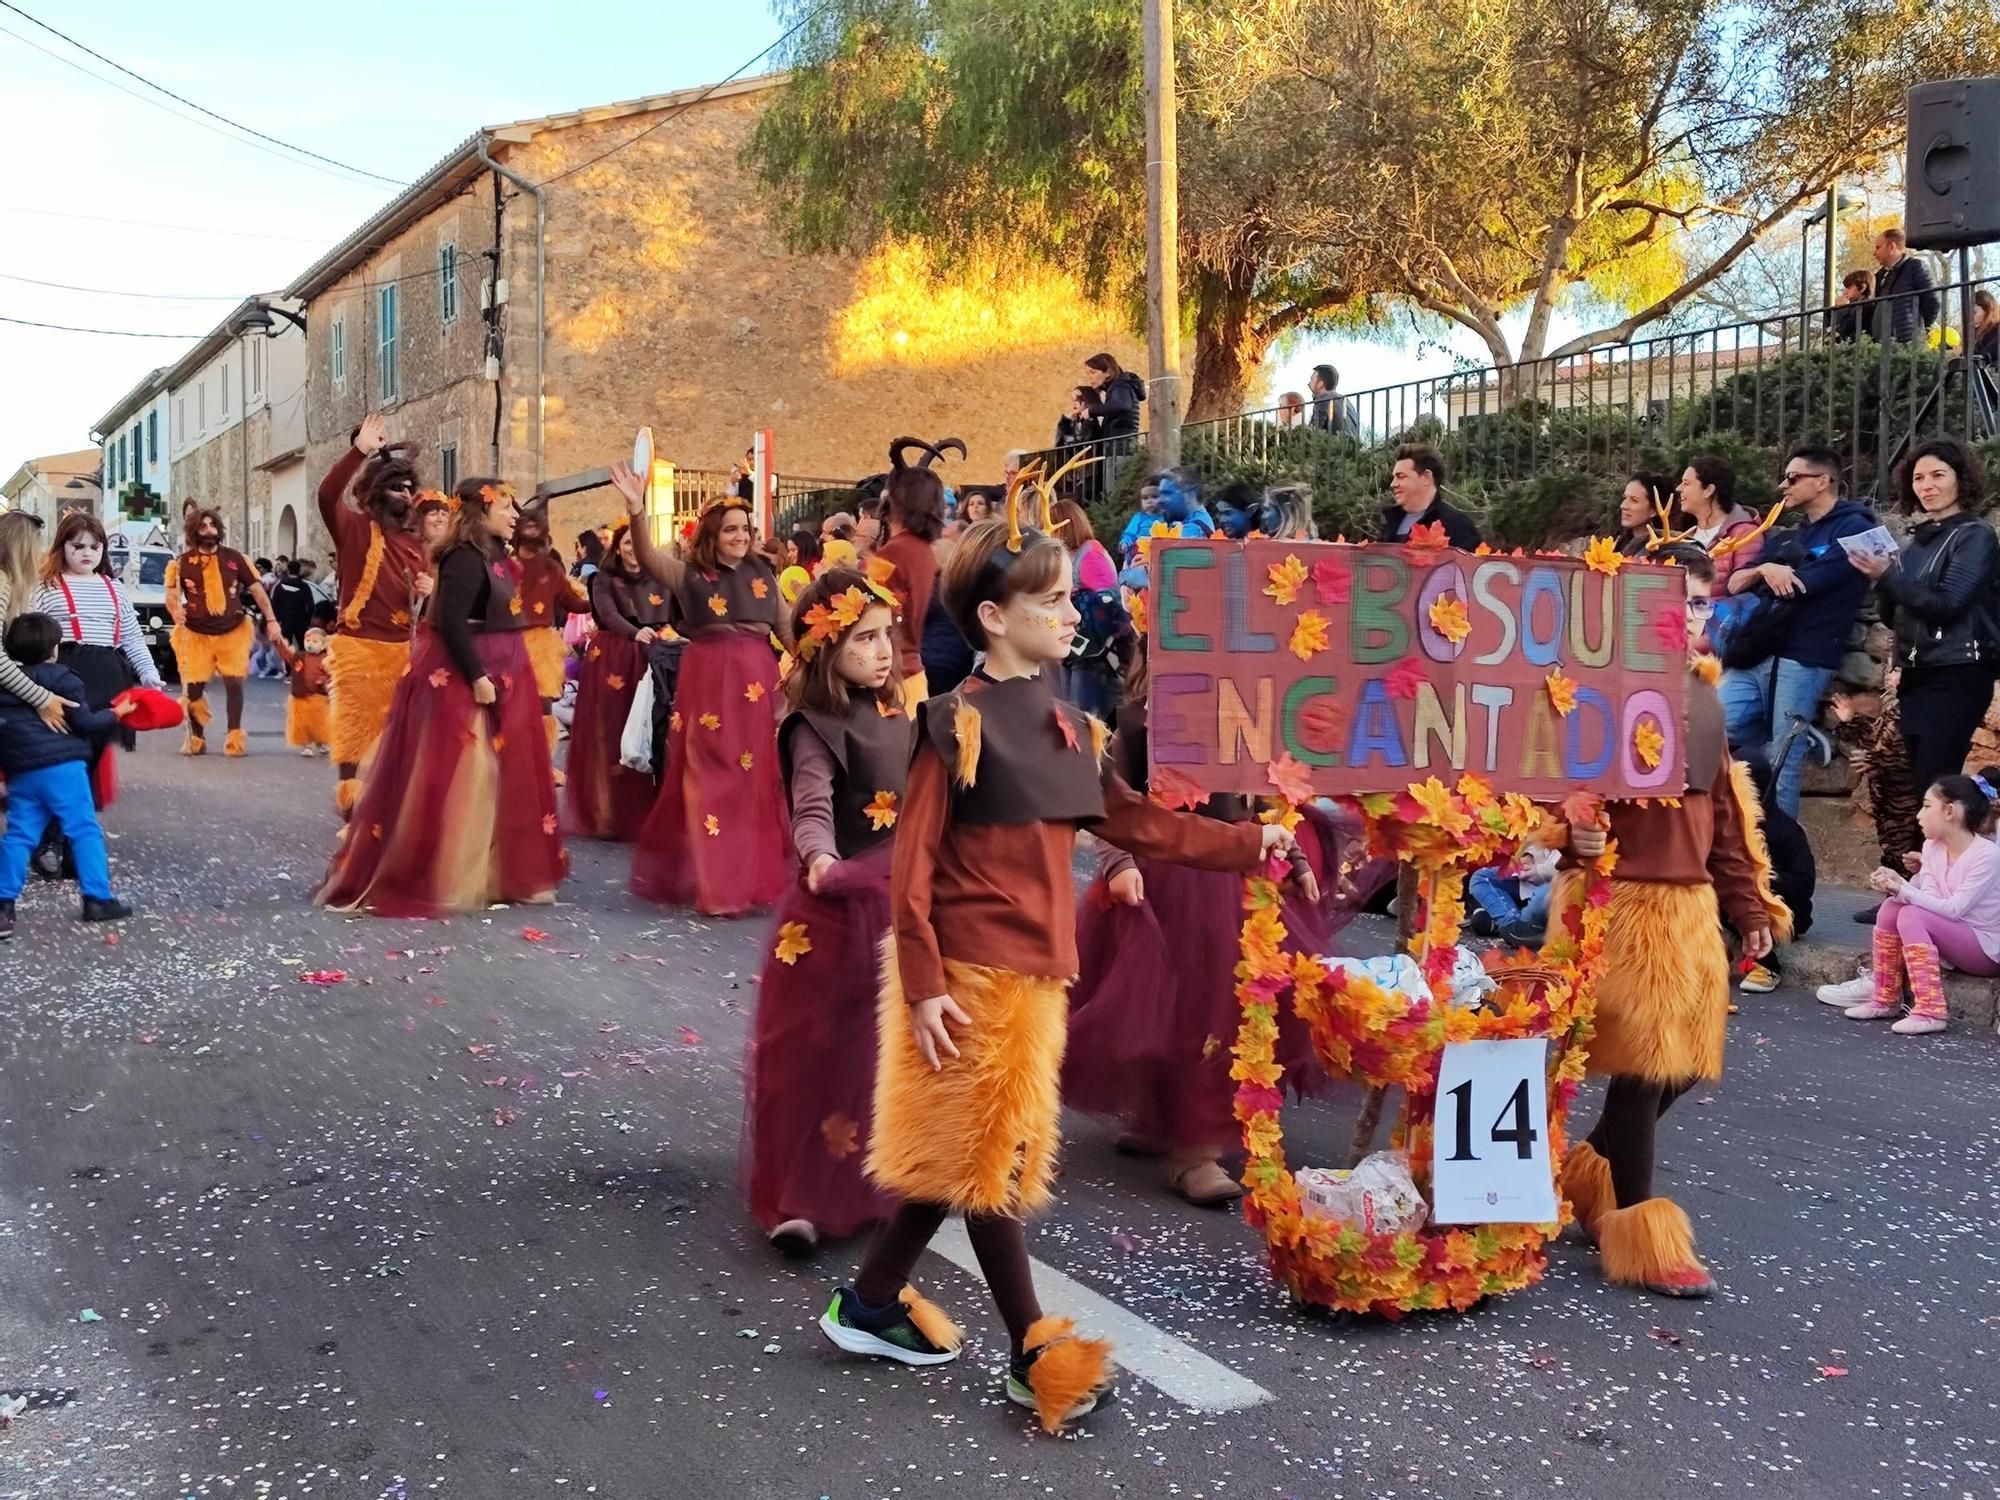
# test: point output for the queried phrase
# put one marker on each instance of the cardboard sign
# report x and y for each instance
(1372, 667)
(1490, 1151)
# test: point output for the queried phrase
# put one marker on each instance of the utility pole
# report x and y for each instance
(1163, 279)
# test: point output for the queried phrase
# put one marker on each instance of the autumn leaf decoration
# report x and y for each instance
(717, 605)
(1066, 729)
(1333, 581)
(1405, 678)
(842, 1136)
(1309, 635)
(754, 692)
(712, 826)
(1435, 798)
(793, 944)
(1449, 617)
(1647, 743)
(1603, 556)
(1562, 693)
(1175, 789)
(711, 721)
(881, 811)
(1291, 779)
(1287, 578)
(1671, 626)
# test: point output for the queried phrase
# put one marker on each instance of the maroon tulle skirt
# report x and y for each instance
(458, 806)
(719, 835)
(809, 1066)
(602, 799)
(1153, 1012)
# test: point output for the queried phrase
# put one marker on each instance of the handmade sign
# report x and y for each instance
(1320, 668)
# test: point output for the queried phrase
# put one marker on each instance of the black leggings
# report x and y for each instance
(1000, 1242)
(1624, 1133)
(1940, 707)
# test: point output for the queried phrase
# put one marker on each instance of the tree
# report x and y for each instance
(1554, 154)
(1342, 157)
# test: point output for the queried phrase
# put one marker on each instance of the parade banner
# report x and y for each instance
(1283, 665)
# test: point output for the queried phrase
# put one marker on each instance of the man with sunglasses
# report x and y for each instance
(1806, 574)
(378, 554)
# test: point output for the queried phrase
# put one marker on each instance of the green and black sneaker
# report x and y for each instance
(892, 1333)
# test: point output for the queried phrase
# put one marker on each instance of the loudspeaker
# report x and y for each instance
(1953, 197)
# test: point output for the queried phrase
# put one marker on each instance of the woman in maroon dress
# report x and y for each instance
(464, 812)
(605, 799)
(718, 835)
(809, 1071)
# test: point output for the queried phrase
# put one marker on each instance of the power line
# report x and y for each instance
(105, 291)
(71, 63)
(668, 119)
(233, 234)
(122, 333)
(201, 108)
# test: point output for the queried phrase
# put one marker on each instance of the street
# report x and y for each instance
(378, 1210)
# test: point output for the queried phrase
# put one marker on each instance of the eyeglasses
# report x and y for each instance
(1791, 478)
(1701, 606)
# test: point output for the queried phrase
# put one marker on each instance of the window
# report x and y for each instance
(385, 328)
(254, 370)
(181, 418)
(447, 283)
(224, 414)
(119, 475)
(153, 436)
(448, 466)
(337, 351)
(201, 406)
(138, 451)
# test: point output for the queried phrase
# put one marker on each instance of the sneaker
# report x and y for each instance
(6, 920)
(891, 1334)
(1480, 924)
(1866, 916)
(1856, 991)
(1522, 934)
(1916, 1025)
(1759, 979)
(1868, 1010)
(113, 910)
(795, 1237)
(1021, 1393)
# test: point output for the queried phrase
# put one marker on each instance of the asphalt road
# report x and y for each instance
(465, 1223)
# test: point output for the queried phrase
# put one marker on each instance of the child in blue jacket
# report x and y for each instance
(48, 775)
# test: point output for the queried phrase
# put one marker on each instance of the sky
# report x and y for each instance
(205, 218)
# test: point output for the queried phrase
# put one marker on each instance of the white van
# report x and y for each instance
(140, 553)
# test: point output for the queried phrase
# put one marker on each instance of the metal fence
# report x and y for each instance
(1745, 390)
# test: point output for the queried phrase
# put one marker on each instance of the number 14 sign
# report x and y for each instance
(1490, 1154)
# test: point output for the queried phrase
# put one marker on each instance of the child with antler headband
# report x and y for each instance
(983, 943)
(809, 1071)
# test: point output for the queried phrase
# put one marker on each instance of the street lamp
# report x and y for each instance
(1828, 213)
(256, 317)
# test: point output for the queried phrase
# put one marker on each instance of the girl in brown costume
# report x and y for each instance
(981, 950)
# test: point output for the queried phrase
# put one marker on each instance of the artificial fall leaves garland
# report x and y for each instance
(1359, 1029)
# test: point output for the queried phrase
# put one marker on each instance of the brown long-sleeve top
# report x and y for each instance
(546, 592)
(1000, 894)
(913, 581)
(1700, 836)
(384, 615)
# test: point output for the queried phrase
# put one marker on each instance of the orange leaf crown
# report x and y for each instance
(827, 623)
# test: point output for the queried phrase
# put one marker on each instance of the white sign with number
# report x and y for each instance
(1490, 1152)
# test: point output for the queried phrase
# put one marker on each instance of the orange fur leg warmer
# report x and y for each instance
(1068, 1371)
(362, 677)
(1586, 1183)
(1651, 1245)
(932, 1321)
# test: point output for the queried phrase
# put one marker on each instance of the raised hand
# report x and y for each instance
(631, 486)
(373, 435)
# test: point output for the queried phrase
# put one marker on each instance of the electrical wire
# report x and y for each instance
(121, 333)
(104, 291)
(804, 21)
(181, 99)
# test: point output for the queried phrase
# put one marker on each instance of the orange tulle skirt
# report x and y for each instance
(458, 809)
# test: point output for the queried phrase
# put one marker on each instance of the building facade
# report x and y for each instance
(667, 298)
(136, 446)
(238, 420)
(54, 483)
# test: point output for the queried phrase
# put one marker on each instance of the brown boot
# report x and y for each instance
(1203, 1182)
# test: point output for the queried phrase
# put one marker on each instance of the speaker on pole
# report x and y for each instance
(1953, 197)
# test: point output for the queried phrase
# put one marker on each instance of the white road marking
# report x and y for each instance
(1176, 1368)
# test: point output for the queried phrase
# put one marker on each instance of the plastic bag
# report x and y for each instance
(1399, 975)
(635, 745)
(1377, 1197)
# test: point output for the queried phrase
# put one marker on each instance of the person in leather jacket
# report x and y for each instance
(1939, 594)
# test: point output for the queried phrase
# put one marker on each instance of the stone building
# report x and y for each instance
(52, 484)
(236, 404)
(668, 300)
(136, 450)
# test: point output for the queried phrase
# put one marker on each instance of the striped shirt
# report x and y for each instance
(97, 612)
